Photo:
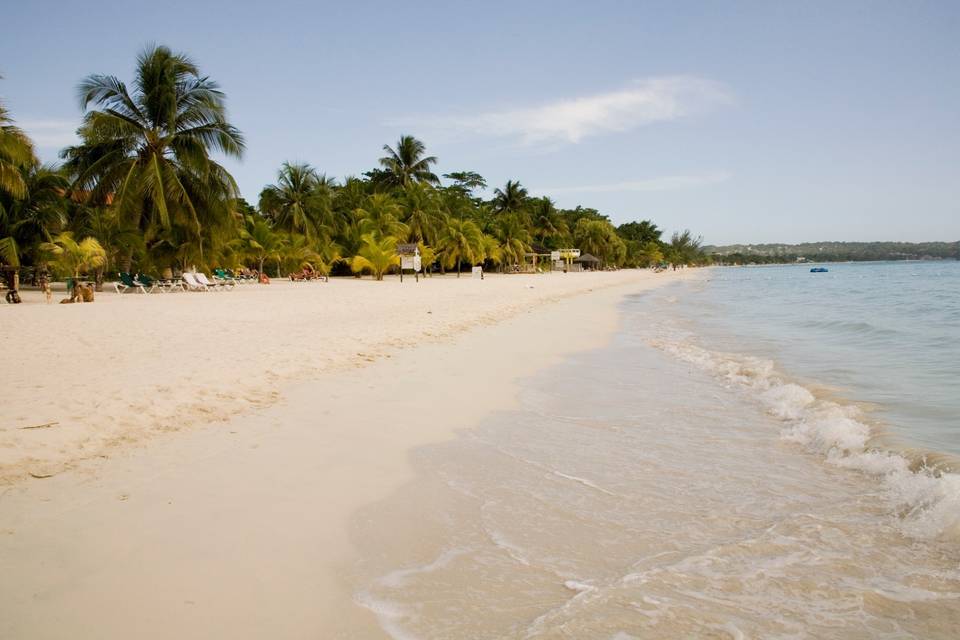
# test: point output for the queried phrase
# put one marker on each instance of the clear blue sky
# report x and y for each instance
(746, 122)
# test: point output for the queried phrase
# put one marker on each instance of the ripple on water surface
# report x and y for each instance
(658, 488)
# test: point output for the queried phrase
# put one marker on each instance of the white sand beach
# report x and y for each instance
(88, 380)
(203, 452)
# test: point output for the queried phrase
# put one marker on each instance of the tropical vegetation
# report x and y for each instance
(144, 190)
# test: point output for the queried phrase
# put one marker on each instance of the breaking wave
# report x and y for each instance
(922, 489)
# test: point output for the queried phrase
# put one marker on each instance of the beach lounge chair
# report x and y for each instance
(155, 284)
(190, 280)
(240, 277)
(128, 283)
(171, 285)
(216, 286)
(224, 277)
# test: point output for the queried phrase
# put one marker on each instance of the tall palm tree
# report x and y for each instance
(511, 198)
(300, 201)
(406, 163)
(149, 150)
(376, 255)
(462, 241)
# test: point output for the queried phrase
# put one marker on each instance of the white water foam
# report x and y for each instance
(927, 502)
(584, 482)
(389, 615)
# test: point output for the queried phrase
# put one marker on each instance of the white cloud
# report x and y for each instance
(644, 102)
(50, 134)
(664, 183)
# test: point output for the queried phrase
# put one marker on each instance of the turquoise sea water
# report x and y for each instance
(886, 334)
(757, 453)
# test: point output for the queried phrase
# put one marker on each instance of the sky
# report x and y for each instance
(745, 122)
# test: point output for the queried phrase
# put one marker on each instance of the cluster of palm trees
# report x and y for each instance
(142, 191)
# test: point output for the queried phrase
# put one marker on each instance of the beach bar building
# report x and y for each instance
(564, 259)
(588, 262)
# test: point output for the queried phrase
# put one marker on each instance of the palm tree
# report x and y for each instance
(491, 250)
(649, 254)
(149, 150)
(428, 256)
(42, 210)
(594, 236)
(514, 239)
(118, 238)
(424, 217)
(74, 257)
(377, 255)
(380, 216)
(407, 164)
(462, 241)
(260, 241)
(298, 253)
(16, 153)
(511, 198)
(547, 224)
(300, 201)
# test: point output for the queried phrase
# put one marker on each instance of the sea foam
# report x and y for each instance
(925, 500)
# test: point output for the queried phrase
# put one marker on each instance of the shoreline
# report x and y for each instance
(252, 515)
(98, 379)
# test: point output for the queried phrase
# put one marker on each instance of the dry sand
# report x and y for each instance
(239, 529)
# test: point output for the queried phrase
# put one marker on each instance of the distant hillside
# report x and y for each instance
(833, 252)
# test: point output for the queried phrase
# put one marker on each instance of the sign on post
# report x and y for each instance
(409, 259)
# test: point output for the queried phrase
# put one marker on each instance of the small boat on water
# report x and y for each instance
(819, 270)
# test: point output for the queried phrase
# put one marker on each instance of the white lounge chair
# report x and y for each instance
(190, 279)
(216, 286)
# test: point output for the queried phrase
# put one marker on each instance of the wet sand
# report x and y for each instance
(239, 528)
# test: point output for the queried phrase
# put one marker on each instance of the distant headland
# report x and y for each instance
(831, 252)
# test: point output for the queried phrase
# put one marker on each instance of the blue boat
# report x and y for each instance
(819, 270)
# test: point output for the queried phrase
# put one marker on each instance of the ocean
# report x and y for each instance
(757, 453)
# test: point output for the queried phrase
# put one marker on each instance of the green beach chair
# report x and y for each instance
(127, 283)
